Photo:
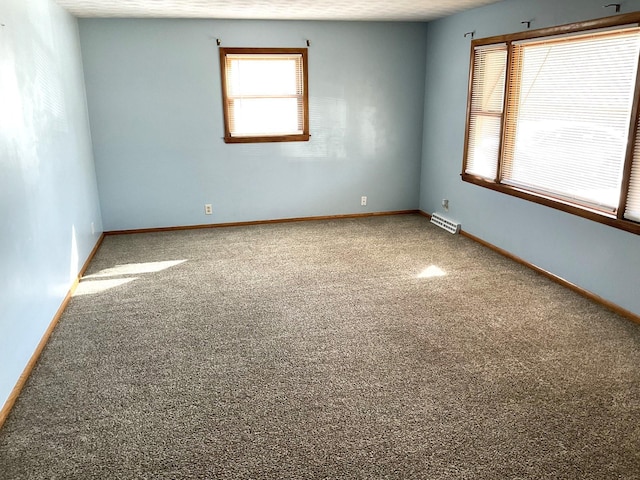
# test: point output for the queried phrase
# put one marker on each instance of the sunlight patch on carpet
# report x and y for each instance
(89, 287)
(135, 268)
(431, 272)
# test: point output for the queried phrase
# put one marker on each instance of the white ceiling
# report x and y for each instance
(393, 10)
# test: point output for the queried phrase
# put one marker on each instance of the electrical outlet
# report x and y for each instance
(445, 204)
(363, 201)
(208, 209)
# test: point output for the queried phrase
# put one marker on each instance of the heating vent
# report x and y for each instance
(448, 225)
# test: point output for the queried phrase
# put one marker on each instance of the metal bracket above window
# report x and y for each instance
(617, 5)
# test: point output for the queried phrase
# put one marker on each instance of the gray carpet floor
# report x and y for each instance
(360, 349)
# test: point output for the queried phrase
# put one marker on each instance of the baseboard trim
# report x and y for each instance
(22, 380)
(260, 222)
(552, 276)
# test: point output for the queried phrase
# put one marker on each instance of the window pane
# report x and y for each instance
(263, 76)
(266, 116)
(264, 94)
(568, 117)
(632, 210)
(485, 118)
(484, 146)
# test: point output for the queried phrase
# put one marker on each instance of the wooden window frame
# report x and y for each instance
(228, 137)
(616, 220)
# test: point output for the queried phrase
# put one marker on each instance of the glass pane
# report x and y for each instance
(266, 116)
(485, 118)
(488, 79)
(263, 77)
(632, 210)
(577, 160)
(572, 109)
(484, 145)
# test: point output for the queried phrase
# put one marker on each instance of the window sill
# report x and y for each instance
(279, 138)
(594, 215)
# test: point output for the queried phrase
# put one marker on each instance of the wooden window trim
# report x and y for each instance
(633, 130)
(555, 203)
(607, 22)
(614, 220)
(304, 136)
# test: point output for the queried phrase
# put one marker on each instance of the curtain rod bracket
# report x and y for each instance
(308, 43)
(469, 34)
(527, 23)
(218, 42)
(617, 5)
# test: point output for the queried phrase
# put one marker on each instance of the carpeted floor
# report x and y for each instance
(368, 348)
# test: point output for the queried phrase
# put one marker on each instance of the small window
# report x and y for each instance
(553, 116)
(264, 94)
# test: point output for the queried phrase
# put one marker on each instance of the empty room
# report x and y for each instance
(278, 239)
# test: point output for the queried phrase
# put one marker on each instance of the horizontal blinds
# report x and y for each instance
(485, 115)
(632, 208)
(265, 94)
(568, 116)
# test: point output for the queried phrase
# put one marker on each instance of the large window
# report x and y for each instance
(264, 93)
(553, 118)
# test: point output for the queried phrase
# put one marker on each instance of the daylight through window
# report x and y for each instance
(552, 118)
(264, 94)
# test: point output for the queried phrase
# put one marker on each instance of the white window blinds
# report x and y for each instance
(264, 94)
(569, 105)
(485, 115)
(632, 208)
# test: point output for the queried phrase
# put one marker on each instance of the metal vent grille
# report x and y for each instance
(445, 223)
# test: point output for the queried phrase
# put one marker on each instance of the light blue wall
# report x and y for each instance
(601, 259)
(153, 89)
(48, 194)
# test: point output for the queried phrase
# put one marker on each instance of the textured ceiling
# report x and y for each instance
(395, 10)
